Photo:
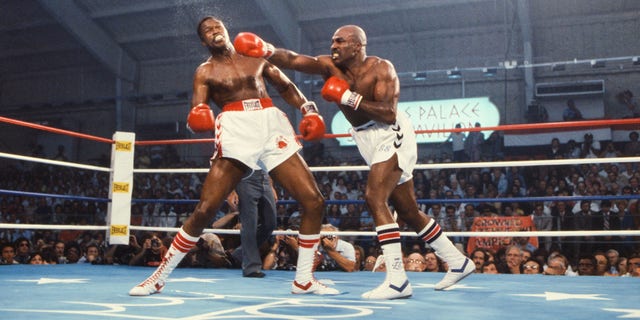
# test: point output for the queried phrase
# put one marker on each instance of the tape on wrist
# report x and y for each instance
(309, 106)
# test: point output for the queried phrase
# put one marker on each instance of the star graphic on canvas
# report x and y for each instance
(630, 313)
(52, 280)
(192, 279)
(552, 296)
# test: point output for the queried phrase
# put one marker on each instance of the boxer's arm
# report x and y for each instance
(285, 87)
(287, 59)
(200, 87)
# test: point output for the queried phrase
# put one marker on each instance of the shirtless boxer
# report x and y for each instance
(366, 89)
(250, 134)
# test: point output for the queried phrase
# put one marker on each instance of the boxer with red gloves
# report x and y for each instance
(366, 89)
(200, 119)
(251, 133)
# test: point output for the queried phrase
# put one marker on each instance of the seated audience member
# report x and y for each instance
(633, 264)
(513, 260)
(587, 265)
(8, 253)
(556, 265)
(151, 253)
(432, 262)
(369, 262)
(23, 250)
(36, 258)
(415, 262)
(337, 254)
(479, 257)
(490, 267)
(92, 255)
(531, 266)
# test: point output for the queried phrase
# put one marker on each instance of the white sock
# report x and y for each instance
(389, 239)
(308, 244)
(432, 235)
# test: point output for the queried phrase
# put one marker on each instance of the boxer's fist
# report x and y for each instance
(311, 126)
(249, 44)
(337, 90)
(200, 119)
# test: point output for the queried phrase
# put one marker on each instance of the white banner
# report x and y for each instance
(436, 115)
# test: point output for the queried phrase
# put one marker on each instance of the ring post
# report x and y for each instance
(121, 188)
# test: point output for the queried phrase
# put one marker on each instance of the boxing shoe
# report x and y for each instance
(388, 291)
(314, 286)
(148, 287)
(453, 276)
(156, 281)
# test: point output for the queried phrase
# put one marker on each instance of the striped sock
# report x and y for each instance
(432, 235)
(308, 244)
(389, 239)
(431, 232)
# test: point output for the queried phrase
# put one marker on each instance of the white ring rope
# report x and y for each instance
(55, 162)
(593, 233)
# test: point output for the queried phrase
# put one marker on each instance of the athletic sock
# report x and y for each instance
(389, 239)
(308, 244)
(432, 235)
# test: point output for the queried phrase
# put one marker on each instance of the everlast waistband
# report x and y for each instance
(248, 105)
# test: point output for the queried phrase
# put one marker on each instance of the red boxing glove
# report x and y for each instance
(200, 119)
(249, 44)
(311, 126)
(337, 90)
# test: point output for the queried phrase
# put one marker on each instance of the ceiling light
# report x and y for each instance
(558, 67)
(636, 61)
(598, 64)
(419, 76)
(489, 72)
(454, 74)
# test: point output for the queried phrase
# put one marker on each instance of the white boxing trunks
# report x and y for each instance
(378, 142)
(254, 133)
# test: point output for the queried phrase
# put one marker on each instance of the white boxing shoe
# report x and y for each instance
(148, 287)
(453, 276)
(314, 287)
(388, 291)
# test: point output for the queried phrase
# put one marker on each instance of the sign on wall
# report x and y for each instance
(435, 115)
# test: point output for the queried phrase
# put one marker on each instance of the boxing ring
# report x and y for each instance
(86, 291)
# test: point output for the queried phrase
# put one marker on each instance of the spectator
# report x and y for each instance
(415, 262)
(479, 257)
(432, 262)
(513, 260)
(632, 147)
(587, 265)
(36, 258)
(22, 250)
(634, 265)
(531, 266)
(571, 113)
(490, 267)
(8, 254)
(556, 266)
(151, 252)
(92, 255)
(457, 144)
(473, 144)
(626, 98)
(555, 151)
(337, 254)
(590, 148)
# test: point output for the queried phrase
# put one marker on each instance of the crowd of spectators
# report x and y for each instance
(483, 192)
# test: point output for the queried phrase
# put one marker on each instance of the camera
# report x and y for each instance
(155, 242)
